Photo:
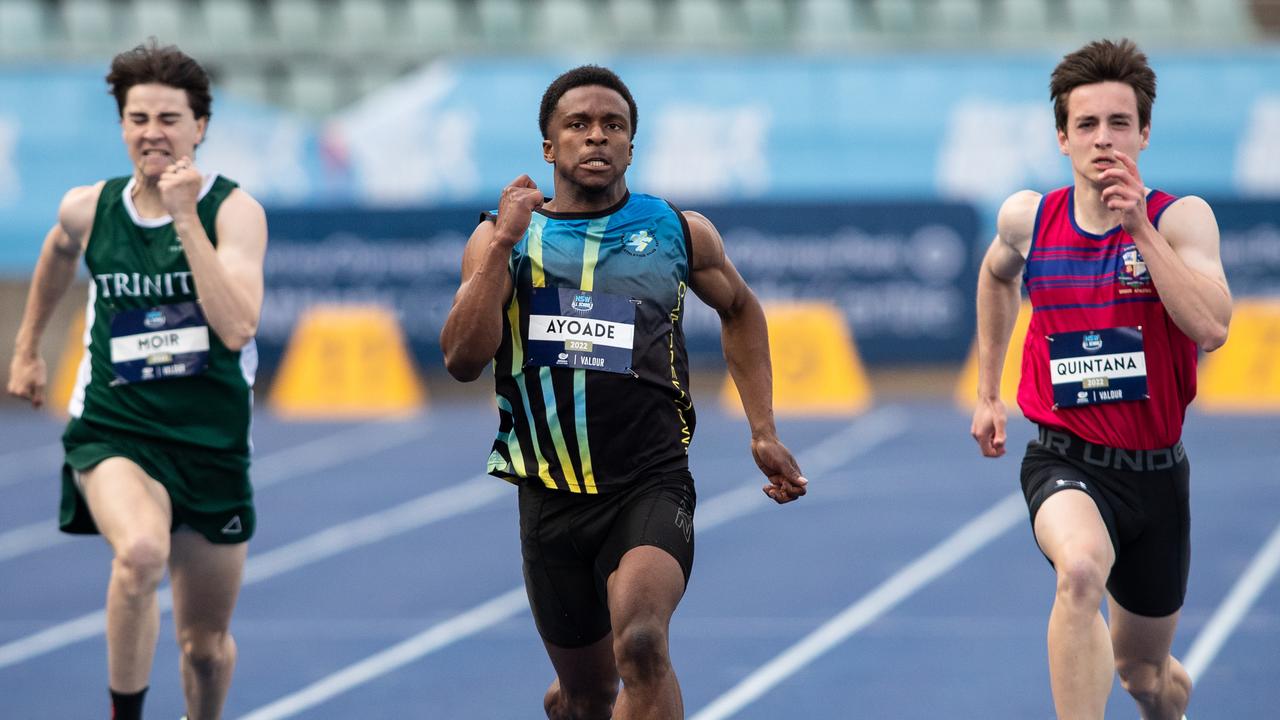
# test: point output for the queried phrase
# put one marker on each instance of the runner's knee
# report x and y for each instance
(1142, 679)
(1082, 579)
(140, 562)
(206, 652)
(641, 651)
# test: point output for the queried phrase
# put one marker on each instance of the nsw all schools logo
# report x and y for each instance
(640, 243)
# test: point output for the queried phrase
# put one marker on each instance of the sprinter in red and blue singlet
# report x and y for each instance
(1126, 286)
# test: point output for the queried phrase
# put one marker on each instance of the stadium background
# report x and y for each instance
(852, 151)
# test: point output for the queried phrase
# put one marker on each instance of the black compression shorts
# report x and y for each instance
(572, 542)
(1143, 497)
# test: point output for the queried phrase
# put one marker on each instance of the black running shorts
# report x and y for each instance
(572, 542)
(1142, 496)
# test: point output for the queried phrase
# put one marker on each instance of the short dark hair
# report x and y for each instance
(1102, 61)
(152, 62)
(579, 77)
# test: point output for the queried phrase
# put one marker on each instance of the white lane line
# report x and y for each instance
(309, 457)
(861, 436)
(30, 538)
(427, 509)
(1234, 608)
(874, 428)
(22, 465)
(374, 666)
(343, 446)
(928, 567)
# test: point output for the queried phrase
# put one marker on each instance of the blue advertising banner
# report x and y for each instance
(712, 129)
(1250, 231)
(902, 273)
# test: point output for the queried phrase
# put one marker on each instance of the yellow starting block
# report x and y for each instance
(816, 368)
(1243, 376)
(966, 394)
(347, 362)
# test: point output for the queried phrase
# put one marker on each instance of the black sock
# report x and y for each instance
(127, 706)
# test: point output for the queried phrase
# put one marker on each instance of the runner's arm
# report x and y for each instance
(997, 304)
(744, 334)
(228, 278)
(473, 331)
(54, 273)
(1186, 267)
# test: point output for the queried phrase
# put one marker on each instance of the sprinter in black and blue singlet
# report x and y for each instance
(600, 294)
(577, 302)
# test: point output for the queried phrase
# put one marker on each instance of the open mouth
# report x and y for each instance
(597, 163)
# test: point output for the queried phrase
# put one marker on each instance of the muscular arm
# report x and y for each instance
(744, 335)
(1186, 267)
(1182, 257)
(228, 278)
(473, 331)
(54, 273)
(997, 302)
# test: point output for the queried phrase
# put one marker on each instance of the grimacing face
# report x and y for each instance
(589, 136)
(159, 127)
(1101, 119)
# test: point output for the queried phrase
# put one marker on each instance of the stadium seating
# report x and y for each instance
(431, 26)
(558, 24)
(250, 43)
(764, 22)
(231, 25)
(23, 28)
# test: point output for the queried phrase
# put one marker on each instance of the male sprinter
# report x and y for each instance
(1126, 284)
(158, 444)
(577, 302)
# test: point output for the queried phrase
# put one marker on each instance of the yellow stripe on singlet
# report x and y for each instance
(538, 279)
(517, 362)
(590, 255)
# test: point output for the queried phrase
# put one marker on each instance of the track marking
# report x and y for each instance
(975, 534)
(862, 435)
(21, 465)
(1234, 608)
(308, 457)
(425, 510)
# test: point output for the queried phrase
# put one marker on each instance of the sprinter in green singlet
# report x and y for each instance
(157, 449)
(578, 302)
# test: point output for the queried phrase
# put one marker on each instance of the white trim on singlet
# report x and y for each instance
(127, 197)
(75, 408)
(249, 371)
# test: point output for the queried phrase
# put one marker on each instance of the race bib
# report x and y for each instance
(581, 329)
(167, 341)
(1097, 366)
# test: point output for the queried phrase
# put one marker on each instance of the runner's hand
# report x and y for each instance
(1126, 193)
(180, 187)
(27, 378)
(515, 209)
(989, 420)
(775, 461)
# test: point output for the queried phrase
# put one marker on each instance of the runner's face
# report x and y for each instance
(1101, 119)
(589, 137)
(159, 128)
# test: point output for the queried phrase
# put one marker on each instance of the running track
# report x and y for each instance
(384, 581)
